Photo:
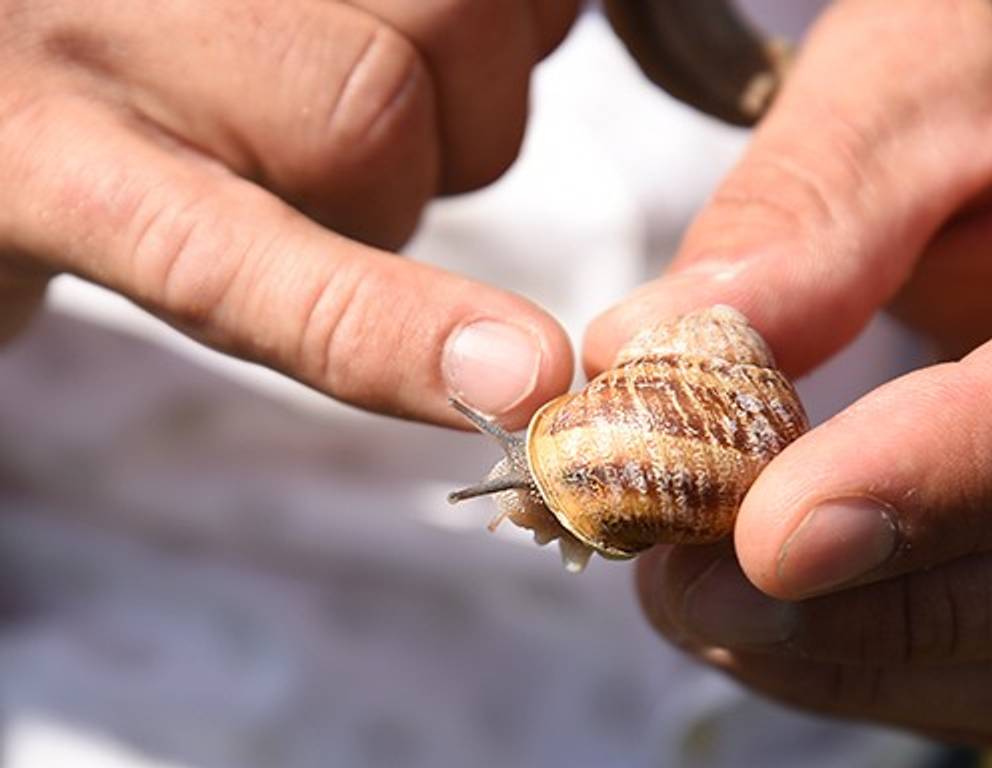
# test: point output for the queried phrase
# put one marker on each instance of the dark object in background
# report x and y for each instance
(703, 52)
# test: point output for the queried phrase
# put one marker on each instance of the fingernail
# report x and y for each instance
(724, 608)
(838, 541)
(491, 366)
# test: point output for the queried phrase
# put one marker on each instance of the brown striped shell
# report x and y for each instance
(661, 448)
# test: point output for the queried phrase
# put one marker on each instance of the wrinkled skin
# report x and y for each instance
(866, 186)
(233, 165)
(230, 166)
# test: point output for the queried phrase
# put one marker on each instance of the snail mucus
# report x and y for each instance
(660, 448)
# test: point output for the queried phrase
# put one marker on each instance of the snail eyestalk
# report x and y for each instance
(659, 449)
(510, 474)
(516, 493)
(488, 426)
(492, 485)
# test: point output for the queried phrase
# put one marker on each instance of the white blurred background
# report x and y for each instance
(205, 565)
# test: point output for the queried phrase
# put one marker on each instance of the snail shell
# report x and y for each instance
(660, 448)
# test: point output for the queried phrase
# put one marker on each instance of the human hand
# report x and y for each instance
(170, 151)
(869, 538)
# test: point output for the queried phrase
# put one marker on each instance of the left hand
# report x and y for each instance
(860, 583)
(241, 168)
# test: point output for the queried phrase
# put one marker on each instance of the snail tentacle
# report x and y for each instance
(487, 426)
(509, 475)
(661, 448)
(508, 482)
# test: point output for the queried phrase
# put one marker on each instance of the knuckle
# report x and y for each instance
(186, 251)
(483, 116)
(384, 94)
(826, 687)
(932, 618)
(929, 621)
(853, 688)
(343, 342)
(27, 122)
(967, 600)
(335, 327)
(948, 612)
(780, 193)
(364, 159)
(796, 192)
(872, 624)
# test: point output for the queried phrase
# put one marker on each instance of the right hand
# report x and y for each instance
(861, 581)
(146, 146)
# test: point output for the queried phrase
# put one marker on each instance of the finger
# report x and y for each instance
(481, 53)
(953, 274)
(901, 480)
(322, 103)
(948, 700)
(21, 294)
(951, 702)
(934, 617)
(554, 20)
(232, 265)
(846, 180)
(653, 589)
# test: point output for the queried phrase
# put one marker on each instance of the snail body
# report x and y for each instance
(660, 448)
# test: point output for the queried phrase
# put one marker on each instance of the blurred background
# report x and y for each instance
(205, 565)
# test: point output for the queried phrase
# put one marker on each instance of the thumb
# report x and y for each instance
(900, 482)
(851, 174)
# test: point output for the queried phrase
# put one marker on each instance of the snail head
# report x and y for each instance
(512, 473)
(517, 495)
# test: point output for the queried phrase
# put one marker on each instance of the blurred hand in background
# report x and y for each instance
(867, 186)
(232, 167)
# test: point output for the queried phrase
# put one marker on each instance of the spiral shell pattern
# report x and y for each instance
(663, 447)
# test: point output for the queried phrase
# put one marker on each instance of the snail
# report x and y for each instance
(660, 448)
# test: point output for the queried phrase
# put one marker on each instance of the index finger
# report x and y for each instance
(238, 269)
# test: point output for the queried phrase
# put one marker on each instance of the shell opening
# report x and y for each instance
(516, 495)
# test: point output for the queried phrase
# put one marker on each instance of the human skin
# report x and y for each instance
(231, 166)
(241, 168)
(859, 580)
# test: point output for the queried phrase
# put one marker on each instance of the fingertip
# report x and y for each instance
(682, 290)
(557, 364)
(603, 337)
(767, 517)
(810, 524)
(506, 362)
(649, 304)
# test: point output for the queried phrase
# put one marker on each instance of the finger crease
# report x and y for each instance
(349, 83)
(345, 301)
(907, 625)
(953, 616)
(310, 323)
